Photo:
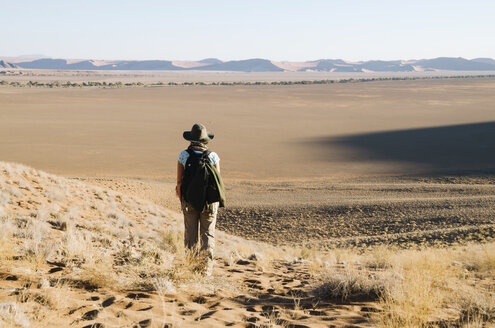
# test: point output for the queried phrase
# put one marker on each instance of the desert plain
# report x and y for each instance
(324, 182)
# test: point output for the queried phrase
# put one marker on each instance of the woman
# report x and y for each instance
(197, 219)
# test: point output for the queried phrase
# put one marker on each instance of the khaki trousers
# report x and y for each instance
(204, 222)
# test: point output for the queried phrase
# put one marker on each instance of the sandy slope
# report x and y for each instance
(73, 254)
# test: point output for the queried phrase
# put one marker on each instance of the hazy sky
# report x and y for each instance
(239, 29)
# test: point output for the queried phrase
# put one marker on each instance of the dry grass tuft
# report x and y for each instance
(351, 283)
(12, 315)
(192, 262)
(431, 281)
(415, 288)
(103, 238)
(475, 306)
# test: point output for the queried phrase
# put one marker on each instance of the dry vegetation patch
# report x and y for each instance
(62, 240)
(58, 233)
(431, 287)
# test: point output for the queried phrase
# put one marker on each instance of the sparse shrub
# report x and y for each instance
(380, 257)
(163, 286)
(232, 257)
(476, 306)
(55, 194)
(152, 254)
(73, 213)
(171, 241)
(352, 284)
(7, 229)
(480, 258)
(98, 271)
(76, 244)
(11, 315)
(191, 263)
(14, 191)
(305, 252)
(43, 213)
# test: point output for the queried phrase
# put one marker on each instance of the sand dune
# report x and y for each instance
(77, 254)
(74, 254)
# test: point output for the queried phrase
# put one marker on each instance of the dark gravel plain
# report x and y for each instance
(404, 212)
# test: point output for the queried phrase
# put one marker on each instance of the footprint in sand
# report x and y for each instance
(251, 309)
(269, 310)
(243, 262)
(329, 319)
(317, 313)
(137, 296)
(53, 270)
(71, 312)
(109, 301)
(188, 312)
(199, 300)
(252, 281)
(146, 308)
(95, 325)
(205, 316)
(143, 324)
(369, 309)
(254, 284)
(90, 315)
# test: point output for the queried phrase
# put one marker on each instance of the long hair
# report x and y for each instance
(197, 144)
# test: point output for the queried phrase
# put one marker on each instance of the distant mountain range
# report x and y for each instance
(4, 64)
(256, 65)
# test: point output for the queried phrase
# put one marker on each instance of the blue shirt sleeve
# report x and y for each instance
(214, 159)
(183, 157)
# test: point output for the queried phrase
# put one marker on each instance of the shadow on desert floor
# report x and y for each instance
(438, 150)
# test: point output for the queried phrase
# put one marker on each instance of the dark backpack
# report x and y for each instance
(198, 186)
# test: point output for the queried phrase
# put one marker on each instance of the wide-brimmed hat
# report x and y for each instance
(198, 133)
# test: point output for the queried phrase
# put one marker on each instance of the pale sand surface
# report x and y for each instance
(324, 164)
(262, 132)
(316, 165)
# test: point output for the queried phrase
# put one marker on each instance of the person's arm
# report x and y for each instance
(180, 171)
(217, 166)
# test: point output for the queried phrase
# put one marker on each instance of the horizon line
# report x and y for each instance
(35, 57)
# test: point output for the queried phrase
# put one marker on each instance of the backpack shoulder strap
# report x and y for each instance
(192, 153)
